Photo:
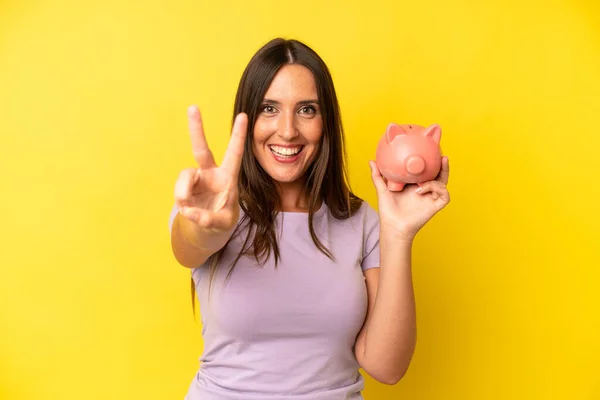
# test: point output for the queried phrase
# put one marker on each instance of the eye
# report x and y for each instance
(308, 110)
(267, 108)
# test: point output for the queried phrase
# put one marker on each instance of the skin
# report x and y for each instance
(386, 343)
(207, 197)
(290, 117)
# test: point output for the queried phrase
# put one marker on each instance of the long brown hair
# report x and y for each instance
(326, 179)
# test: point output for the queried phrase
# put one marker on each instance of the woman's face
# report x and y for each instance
(289, 127)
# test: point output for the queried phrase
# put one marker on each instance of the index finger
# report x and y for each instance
(232, 160)
(202, 153)
(444, 171)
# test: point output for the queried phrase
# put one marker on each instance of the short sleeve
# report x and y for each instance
(370, 238)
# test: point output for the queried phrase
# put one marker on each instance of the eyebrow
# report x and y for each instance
(302, 102)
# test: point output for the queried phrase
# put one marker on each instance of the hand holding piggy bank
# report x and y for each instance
(409, 154)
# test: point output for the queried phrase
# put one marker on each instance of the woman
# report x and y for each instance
(300, 282)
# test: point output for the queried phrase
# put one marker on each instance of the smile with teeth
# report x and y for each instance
(285, 151)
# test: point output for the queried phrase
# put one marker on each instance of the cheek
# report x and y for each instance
(259, 136)
(264, 127)
(316, 138)
(317, 146)
(313, 132)
(257, 143)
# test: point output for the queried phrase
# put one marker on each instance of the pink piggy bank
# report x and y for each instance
(409, 154)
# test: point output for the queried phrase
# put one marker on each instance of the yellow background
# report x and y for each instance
(93, 99)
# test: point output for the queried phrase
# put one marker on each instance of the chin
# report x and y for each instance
(283, 177)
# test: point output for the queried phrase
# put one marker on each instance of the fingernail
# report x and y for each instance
(419, 189)
(192, 109)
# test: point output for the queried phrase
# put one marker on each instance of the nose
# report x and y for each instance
(415, 165)
(287, 127)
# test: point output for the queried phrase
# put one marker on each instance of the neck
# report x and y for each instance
(293, 197)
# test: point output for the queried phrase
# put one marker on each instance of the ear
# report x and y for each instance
(392, 131)
(435, 132)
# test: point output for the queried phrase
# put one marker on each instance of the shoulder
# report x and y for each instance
(368, 210)
(369, 224)
(370, 220)
(367, 214)
(363, 220)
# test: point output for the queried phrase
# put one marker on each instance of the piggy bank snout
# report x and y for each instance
(415, 165)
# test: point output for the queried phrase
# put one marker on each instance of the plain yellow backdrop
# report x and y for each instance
(93, 99)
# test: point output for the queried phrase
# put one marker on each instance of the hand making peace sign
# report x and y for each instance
(208, 195)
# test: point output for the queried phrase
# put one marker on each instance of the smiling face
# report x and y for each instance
(289, 126)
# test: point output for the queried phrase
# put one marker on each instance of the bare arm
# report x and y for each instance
(207, 196)
(386, 343)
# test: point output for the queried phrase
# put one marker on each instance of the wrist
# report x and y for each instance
(396, 235)
(396, 242)
(201, 238)
(393, 244)
(395, 250)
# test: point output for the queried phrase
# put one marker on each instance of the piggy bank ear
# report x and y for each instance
(435, 132)
(392, 131)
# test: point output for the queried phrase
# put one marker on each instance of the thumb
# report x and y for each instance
(380, 185)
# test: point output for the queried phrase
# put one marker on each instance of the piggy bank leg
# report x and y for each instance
(395, 186)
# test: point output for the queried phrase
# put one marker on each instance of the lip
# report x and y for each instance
(287, 146)
(286, 160)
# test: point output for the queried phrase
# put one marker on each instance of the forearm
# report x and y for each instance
(390, 336)
(192, 245)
